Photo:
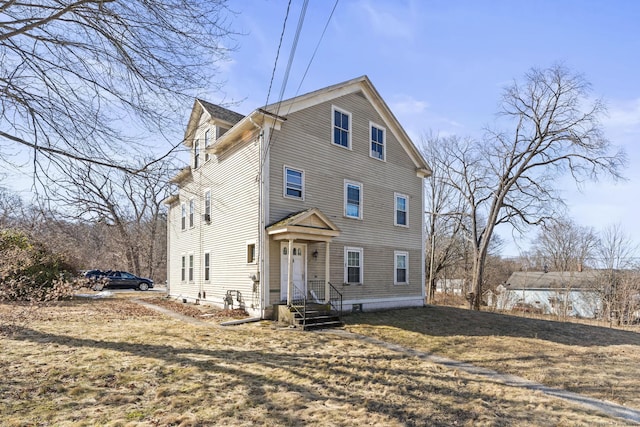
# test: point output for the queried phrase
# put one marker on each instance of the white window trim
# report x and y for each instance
(205, 267)
(395, 267)
(284, 183)
(360, 211)
(192, 213)
(333, 125)
(206, 137)
(384, 142)
(183, 268)
(348, 249)
(206, 210)
(183, 216)
(395, 209)
(255, 254)
(197, 154)
(191, 268)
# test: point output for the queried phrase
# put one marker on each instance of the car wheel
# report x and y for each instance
(143, 286)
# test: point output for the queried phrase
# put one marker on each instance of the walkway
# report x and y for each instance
(608, 408)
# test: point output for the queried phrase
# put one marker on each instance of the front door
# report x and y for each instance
(299, 270)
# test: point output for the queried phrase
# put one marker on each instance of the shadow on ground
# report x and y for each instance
(443, 321)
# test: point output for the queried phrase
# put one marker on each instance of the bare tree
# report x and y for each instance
(10, 207)
(511, 177)
(126, 209)
(444, 245)
(75, 74)
(617, 258)
(562, 245)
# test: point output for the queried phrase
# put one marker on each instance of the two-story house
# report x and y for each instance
(317, 193)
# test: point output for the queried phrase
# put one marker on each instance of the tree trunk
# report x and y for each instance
(479, 258)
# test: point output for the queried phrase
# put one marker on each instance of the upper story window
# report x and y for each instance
(183, 216)
(293, 183)
(207, 206)
(192, 212)
(196, 153)
(341, 122)
(207, 141)
(378, 146)
(352, 199)
(401, 267)
(401, 210)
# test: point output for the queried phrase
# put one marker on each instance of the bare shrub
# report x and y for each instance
(30, 276)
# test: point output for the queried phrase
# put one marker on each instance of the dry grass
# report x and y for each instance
(596, 361)
(111, 362)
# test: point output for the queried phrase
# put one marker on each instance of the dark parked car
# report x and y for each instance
(118, 279)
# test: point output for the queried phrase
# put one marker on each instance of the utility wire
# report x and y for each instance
(292, 53)
(275, 64)
(326, 25)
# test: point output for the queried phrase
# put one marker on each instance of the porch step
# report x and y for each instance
(316, 319)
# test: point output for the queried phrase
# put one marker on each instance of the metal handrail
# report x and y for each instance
(297, 303)
(335, 295)
(315, 294)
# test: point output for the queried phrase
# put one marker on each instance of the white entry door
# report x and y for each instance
(299, 270)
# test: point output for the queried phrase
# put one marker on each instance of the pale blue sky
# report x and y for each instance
(441, 66)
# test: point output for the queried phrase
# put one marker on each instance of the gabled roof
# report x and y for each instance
(219, 114)
(276, 113)
(553, 280)
(310, 224)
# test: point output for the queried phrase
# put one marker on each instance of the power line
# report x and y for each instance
(275, 64)
(288, 69)
(326, 25)
(292, 54)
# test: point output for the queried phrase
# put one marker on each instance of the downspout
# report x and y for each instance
(261, 243)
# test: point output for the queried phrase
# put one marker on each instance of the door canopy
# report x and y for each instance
(310, 225)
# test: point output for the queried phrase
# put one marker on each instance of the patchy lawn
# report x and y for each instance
(593, 360)
(112, 362)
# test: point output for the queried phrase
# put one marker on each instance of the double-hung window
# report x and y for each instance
(352, 199)
(401, 267)
(207, 266)
(293, 183)
(192, 212)
(341, 122)
(183, 216)
(207, 206)
(207, 141)
(191, 267)
(401, 208)
(183, 272)
(353, 268)
(196, 153)
(377, 142)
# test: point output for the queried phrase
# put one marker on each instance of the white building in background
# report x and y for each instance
(576, 293)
